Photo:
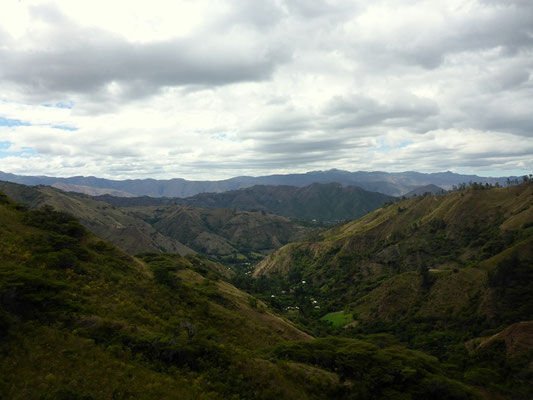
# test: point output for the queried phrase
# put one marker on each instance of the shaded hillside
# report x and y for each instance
(79, 319)
(222, 232)
(393, 184)
(131, 234)
(435, 271)
(320, 202)
(323, 202)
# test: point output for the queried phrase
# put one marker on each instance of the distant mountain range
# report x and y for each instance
(392, 184)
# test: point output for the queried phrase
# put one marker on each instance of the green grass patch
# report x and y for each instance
(338, 318)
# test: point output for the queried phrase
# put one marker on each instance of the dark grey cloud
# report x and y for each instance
(260, 162)
(75, 60)
(503, 103)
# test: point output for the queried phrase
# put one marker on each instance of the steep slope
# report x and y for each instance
(456, 229)
(130, 234)
(393, 184)
(79, 319)
(435, 271)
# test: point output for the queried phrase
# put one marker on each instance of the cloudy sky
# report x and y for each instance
(214, 89)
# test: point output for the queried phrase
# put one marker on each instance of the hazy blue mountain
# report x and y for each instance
(393, 184)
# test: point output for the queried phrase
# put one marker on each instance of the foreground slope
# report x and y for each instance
(79, 319)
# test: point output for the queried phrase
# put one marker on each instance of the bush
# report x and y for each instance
(56, 221)
(25, 292)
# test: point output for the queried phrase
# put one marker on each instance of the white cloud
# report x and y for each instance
(212, 89)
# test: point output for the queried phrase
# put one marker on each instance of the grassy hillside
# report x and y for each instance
(80, 319)
(131, 234)
(435, 271)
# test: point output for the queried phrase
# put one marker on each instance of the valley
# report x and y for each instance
(266, 200)
(241, 294)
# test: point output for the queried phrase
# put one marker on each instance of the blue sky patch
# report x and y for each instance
(220, 136)
(12, 122)
(24, 153)
(62, 104)
(381, 146)
(65, 127)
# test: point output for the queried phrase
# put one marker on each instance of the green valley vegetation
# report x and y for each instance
(442, 274)
(419, 299)
(338, 319)
(80, 319)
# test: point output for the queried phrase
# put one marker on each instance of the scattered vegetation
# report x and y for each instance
(432, 299)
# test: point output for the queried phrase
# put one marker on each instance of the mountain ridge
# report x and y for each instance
(330, 202)
(394, 183)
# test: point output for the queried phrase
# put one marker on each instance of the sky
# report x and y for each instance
(215, 89)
